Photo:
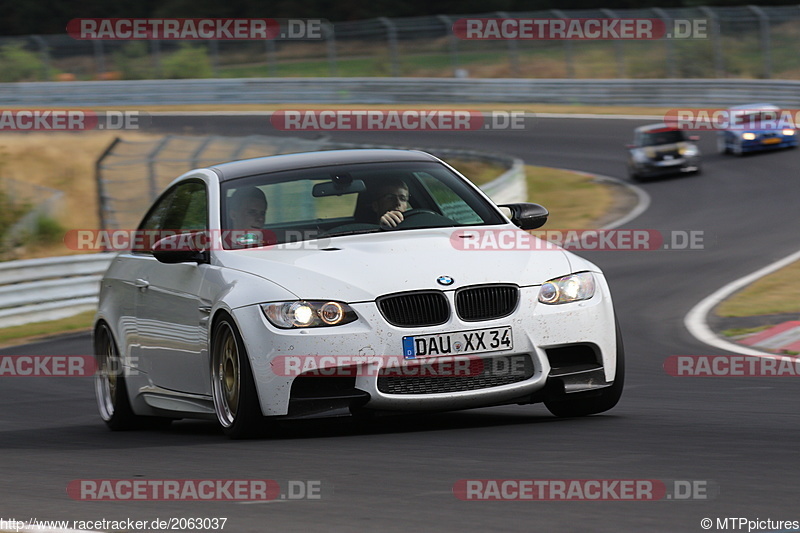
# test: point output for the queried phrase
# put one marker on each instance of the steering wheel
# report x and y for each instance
(418, 211)
(408, 218)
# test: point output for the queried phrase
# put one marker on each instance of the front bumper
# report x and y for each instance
(571, 346)
(758, 145)
(673, 166)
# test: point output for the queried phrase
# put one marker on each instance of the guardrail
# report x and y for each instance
(635, 92)
(38, 290)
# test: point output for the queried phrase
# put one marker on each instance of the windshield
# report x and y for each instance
(656, 138)
(338, 200)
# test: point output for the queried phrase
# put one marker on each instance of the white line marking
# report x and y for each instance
(695, 320)
(594, 116)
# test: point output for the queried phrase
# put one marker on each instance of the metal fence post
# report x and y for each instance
(151, 166)
(766, 51)
(272, 66)
(102, 197)
(330, 44)
(452, 41)
(391, 36)
(99, 58)
(569, 61)
(513, 49)
(195, 160)
(44, 54)
(716, 35)
(619, 50)
(214, 46)
(155, 50)
(670, 46)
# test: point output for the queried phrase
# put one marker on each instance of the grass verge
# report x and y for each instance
(742, 332)
(62, 161)
(575, 201)
(27, 332)
(777, 293)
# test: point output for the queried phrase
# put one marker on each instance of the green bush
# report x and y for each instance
(10, 213)
(133, 61)
(18, 64)
(188, 62)
(48, 231)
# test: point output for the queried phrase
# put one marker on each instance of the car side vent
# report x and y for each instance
(414, 309)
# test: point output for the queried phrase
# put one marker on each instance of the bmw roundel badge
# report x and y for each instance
(445, 280)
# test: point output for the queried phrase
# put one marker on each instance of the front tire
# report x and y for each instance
(722, 146)
(583, 404)
(633, 176)
(233, 388)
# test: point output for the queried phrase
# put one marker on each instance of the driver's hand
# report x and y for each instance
(391, 219)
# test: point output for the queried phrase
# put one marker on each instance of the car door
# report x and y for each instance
(171, 313)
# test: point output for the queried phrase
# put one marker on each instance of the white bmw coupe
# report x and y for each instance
(344, 283)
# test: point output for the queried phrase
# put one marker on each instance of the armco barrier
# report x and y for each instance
(633, 92)
(36, 290)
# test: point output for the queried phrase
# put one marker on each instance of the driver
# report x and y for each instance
(390, 202)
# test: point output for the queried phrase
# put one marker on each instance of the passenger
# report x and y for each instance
(247, 208)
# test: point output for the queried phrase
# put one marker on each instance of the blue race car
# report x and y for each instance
(754, 128)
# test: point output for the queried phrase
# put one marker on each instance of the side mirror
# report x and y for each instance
(630, 146)
(527, 215)
(183, 248)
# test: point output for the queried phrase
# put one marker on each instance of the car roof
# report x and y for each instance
(656, 127)
(276, 163)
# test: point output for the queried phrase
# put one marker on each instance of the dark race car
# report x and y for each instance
(659, 149)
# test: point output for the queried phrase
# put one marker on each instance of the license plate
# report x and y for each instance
(771, 140)
(458, 343)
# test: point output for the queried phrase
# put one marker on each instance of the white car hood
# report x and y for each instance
(360, 268)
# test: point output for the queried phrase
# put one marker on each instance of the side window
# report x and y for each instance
(182, 209)
(155, 218)
(188, 210)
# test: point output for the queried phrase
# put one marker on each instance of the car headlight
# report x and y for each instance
(640, 156)
(788, 132)
(749, 136)
(572, 288)
(308, 314)
(688, 151)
